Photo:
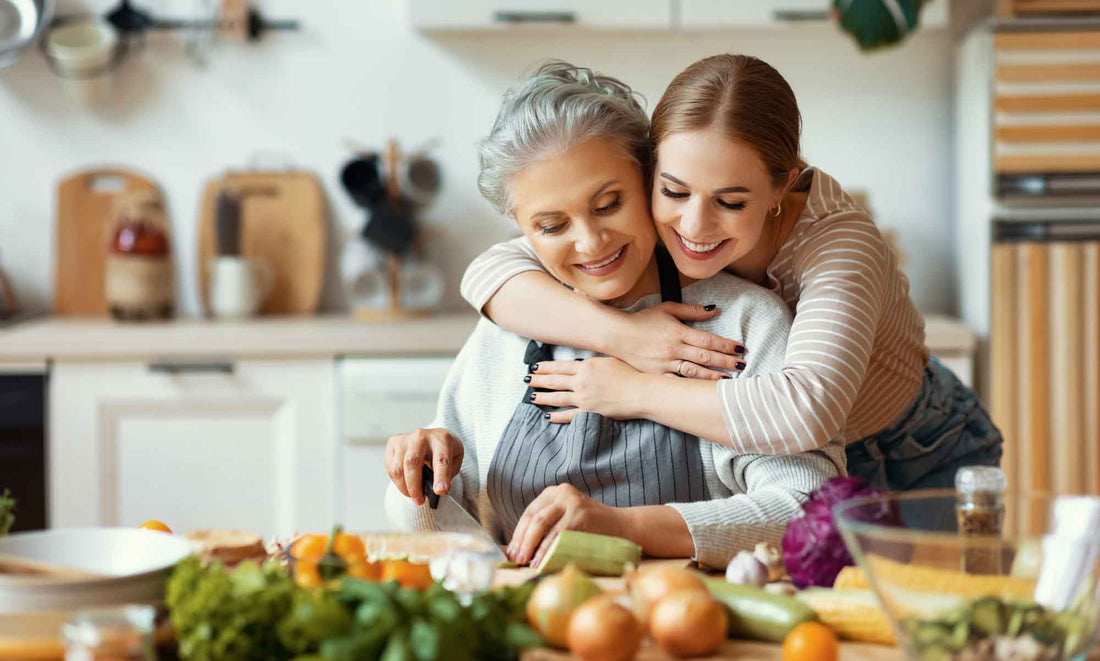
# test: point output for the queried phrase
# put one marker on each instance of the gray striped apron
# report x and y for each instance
(622, 463)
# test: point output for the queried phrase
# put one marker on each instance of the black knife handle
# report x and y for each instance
(427, 484)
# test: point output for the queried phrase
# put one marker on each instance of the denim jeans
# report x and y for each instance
(945, 429)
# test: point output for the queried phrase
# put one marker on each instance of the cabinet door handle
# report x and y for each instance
(213, 367)
(520, 16)
(800, 15)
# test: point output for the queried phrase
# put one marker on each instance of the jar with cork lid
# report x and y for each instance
(980, 512)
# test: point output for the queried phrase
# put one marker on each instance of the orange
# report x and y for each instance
(155, 525)
(349, 547)
(310, 546)
(306, 574)
(368, 571)
(811, 641)
(407, 574)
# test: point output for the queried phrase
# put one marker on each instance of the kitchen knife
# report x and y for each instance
(453, 517)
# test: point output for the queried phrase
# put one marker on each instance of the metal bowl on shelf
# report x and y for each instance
(21, 23)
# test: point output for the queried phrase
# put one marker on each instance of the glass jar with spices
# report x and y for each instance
(139, 282)
(114, 634)
(980, 513)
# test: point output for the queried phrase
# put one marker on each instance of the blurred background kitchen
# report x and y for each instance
(232, 234)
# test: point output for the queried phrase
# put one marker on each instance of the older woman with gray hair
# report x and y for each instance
(568, 159)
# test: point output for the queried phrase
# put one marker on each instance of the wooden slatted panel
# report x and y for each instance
(1048, 103)
(1017, 163)
(1004, 381)
(1091, 360)
(1054, 40)
(1067, 372)
(1030, 7)
(1047, 73)
(1052, 133)
(1034, 341)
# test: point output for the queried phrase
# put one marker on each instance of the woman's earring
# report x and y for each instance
(778, 210)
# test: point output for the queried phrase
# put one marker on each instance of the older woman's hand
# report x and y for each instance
(407, 454)
(657, 341)
(558, 508)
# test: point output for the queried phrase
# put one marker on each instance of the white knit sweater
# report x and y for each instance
(752, 496)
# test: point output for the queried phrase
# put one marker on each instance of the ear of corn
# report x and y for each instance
(597, 555)
(892, 575)
(852, 614)
(851, 578)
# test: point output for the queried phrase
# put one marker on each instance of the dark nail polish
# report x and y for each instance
(545, 416)
(726, 376)
(740, 366)
(579, 360)
(527, 379)
(739, 350)
(533, 395)
(708, 308)
(534, 367)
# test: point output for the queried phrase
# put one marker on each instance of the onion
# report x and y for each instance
(688, 623)
(604, 630)
(554, 599)
(646, 587)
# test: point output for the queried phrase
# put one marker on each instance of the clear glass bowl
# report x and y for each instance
(1030, 593)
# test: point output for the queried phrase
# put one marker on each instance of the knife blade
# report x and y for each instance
(453, 517)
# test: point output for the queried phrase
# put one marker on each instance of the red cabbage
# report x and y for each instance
(813, 550)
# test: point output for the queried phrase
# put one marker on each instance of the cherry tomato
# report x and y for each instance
(155, 525)
(310, 546)
(349, 547)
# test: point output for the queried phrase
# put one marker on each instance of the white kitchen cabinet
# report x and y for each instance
(477, 15)
(249, 444)
(709, 14)
(379, 397)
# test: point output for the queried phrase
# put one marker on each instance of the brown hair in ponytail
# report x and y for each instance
(745, 98)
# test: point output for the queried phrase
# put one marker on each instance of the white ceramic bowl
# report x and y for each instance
(133, 563)
(82, 49)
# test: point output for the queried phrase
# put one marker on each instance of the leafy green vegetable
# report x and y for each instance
(222, 615)
(7, 512)
(258, 613)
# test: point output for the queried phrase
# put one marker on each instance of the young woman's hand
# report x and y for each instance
(407, 454)
(558, 508)
(607, 386)
(656, 341)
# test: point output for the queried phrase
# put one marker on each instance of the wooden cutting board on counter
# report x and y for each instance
(283, 221)
(85, 211)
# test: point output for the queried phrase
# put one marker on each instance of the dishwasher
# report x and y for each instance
(378, 397)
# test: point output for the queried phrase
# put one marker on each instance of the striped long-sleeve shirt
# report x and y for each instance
(856, 352)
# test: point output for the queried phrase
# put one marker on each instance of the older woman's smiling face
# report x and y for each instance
(586, 214)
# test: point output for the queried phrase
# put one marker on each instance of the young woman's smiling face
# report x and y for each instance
(712, 200)
(586, 214)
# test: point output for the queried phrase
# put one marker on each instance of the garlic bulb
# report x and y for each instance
(745, 569)
(772, 558)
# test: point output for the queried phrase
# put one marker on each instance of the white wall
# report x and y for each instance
(880, 123)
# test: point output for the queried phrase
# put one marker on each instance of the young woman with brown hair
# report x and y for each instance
(730, 192)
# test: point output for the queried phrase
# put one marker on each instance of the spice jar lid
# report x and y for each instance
(980, 479)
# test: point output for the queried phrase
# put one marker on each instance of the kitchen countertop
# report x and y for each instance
(65, 339)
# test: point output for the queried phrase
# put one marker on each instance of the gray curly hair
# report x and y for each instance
(558, 107)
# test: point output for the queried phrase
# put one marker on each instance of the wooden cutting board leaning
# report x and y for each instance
(282, 222)
(86, 207)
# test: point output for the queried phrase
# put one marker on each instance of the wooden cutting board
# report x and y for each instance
(85, 211)
(283, 222)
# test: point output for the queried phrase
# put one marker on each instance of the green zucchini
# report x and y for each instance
(757, 614)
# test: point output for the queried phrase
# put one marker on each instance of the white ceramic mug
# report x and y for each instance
(238, 286)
